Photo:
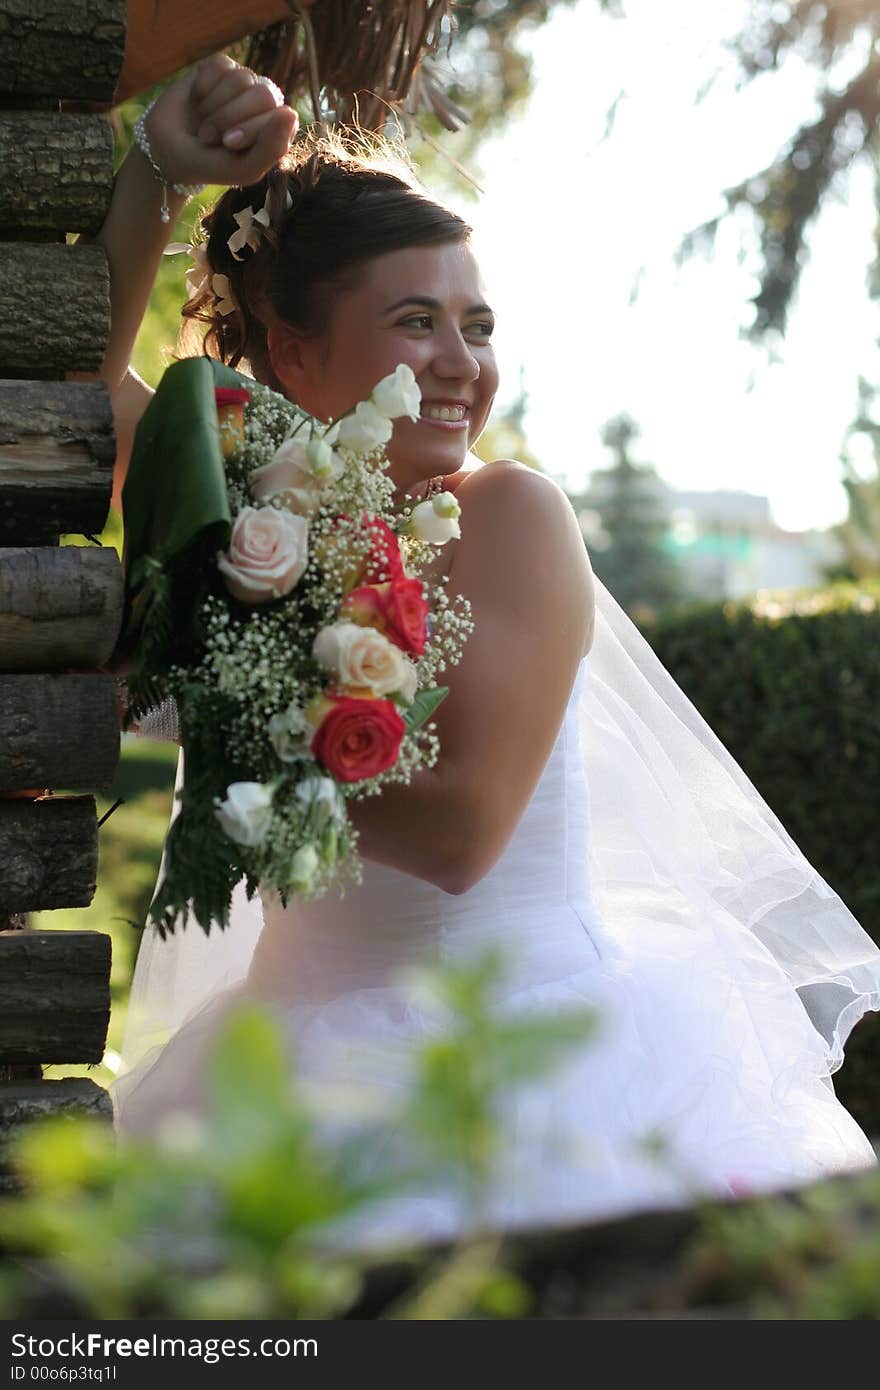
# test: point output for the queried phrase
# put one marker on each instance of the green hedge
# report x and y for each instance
(790, 682)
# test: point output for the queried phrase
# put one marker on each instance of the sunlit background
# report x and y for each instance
(579, 233)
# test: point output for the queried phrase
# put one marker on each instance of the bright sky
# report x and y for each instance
(568, 222)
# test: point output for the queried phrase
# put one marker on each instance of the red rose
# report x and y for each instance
(231, 395)
(384, 561)
(358, 737)
(397, 608)
(406, 614)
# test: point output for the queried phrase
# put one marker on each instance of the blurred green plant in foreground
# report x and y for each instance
(228, 1216)
(807, 1256)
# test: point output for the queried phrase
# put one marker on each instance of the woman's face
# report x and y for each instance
(426, 306)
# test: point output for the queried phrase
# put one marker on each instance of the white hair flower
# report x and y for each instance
(250, 229)
(223, 294)
(199, 272)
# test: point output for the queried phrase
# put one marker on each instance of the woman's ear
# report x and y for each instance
(287, 357)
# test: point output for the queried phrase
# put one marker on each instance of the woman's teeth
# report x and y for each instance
(443, 412)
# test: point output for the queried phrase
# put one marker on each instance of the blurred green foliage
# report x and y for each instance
(810, 1256)
(234, 1213)
(790, 683)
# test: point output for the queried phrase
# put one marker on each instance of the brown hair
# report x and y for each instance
(353, 196)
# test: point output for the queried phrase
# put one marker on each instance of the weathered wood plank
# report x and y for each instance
(58, 731)
(54, 996)
(57, 449)
(62, 48)
(57, 171)
(54, 308)
(59, 608)
(48, 855)
(24, 1102)
(164, 36)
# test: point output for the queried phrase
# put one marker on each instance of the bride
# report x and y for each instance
(582, 816)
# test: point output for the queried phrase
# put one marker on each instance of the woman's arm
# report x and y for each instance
(191, 129)
(522, 563)
(129, 403)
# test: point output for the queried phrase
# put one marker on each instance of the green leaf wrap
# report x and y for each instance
(175, 492)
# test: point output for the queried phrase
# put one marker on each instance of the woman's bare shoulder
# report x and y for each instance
(506, 503)
(506, 483)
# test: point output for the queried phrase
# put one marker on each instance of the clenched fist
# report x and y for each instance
(220, 123)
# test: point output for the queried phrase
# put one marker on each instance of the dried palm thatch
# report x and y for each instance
(359, 59)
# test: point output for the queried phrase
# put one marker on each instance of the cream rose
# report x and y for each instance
(289, 477)
(436, 520)
(398, 394)
(246, 812)
(365, 430)
(268, 552)
(360, 656)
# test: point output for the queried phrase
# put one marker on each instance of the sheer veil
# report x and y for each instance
(678, 833)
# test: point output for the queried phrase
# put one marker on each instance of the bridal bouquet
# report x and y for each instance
(273, 595)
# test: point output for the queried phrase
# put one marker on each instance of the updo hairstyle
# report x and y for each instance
(353, 196)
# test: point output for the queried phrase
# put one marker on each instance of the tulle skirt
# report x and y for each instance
(705, 1077)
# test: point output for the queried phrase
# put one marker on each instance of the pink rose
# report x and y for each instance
(268, 552)
(288, 476)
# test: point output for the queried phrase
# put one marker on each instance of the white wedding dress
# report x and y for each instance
(646, 879)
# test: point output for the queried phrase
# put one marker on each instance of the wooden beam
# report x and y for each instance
(48, 855)
(57, 171)
(58, 732)
(54, 309)
(167, 35)
(22, 1103)
(57, 449)
(59, 607)
(61, 48)
(54, 996)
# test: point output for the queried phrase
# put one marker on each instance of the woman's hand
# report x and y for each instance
(220, 123)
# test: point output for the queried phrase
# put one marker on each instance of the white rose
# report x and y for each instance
(398, 394)
(291, 734)
(326, 466)
(360, 656)
(303, 868)
(289, 477)
(436, 520)
(246, 812)
(268, 551)
(365, 430)
(321, 793)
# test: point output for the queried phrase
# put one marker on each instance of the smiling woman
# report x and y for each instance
(580, 816)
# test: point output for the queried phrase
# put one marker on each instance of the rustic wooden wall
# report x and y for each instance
(60, 607)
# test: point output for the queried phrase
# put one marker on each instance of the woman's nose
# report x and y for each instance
(455, 360)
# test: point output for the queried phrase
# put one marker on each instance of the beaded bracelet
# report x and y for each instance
(142, 141)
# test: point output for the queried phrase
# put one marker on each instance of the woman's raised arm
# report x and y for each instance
(522, 563)
(218, 123)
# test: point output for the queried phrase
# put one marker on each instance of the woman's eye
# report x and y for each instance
(483, 329)
(418, 321)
